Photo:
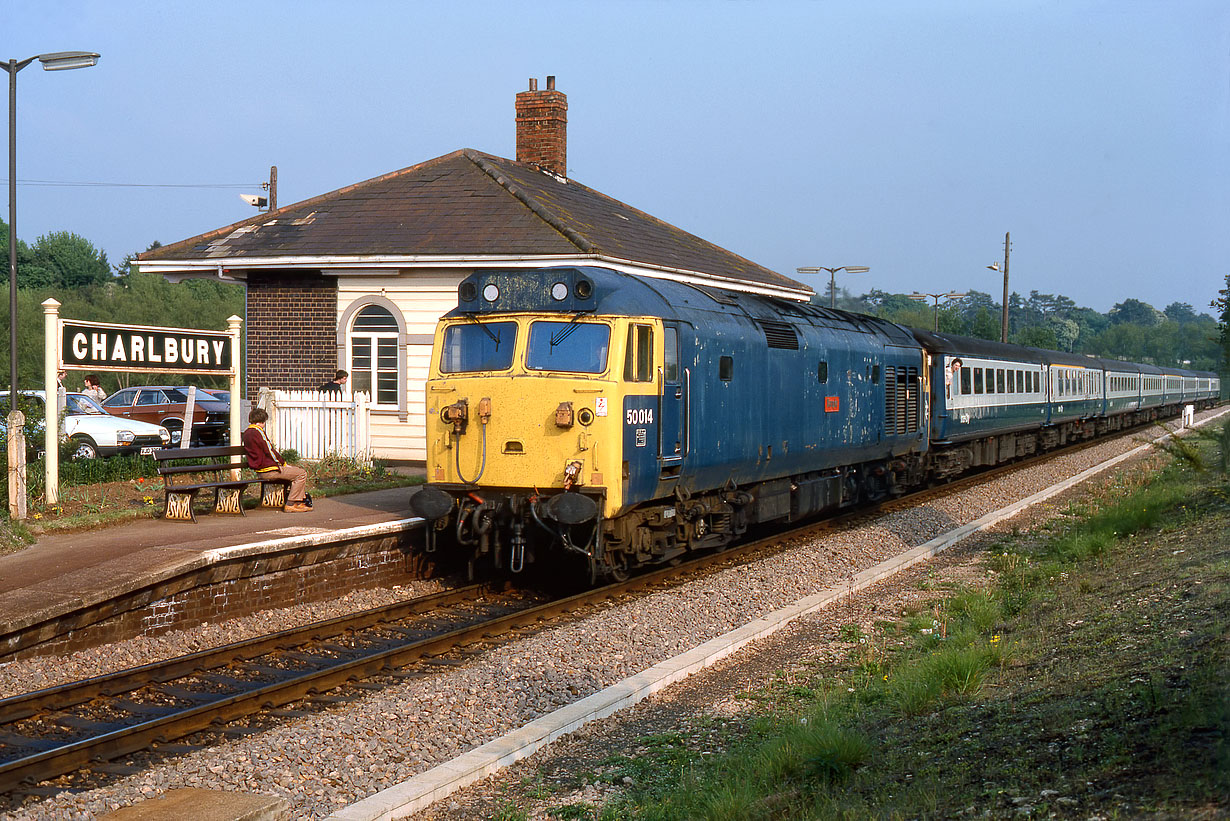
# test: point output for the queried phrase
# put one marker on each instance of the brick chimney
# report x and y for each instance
(542, 128)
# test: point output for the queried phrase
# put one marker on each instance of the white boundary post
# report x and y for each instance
(51, 392)
(234, 325)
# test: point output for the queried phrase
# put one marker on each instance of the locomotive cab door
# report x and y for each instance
(673, 401)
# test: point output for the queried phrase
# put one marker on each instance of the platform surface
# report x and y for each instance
(63, 568)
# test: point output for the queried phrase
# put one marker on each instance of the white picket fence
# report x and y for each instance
(319, 424)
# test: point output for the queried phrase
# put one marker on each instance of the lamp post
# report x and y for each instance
(994, 266)
(56, 61)
(849, 269)
(937, 297)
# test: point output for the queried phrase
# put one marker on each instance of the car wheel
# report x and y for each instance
(84, 448)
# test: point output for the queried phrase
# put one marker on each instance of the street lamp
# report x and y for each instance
(849, 269)
(937, 297)
(56, 61)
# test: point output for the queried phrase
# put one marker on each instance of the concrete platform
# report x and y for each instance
(63, 573)
(204, 805)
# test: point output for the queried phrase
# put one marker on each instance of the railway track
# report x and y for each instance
(82, 725)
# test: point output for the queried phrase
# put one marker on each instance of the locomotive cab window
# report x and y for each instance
(479, 346)
(670, 354)
(575, 347)
(638, 366)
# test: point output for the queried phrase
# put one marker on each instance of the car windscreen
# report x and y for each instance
(76, 404)
(478, 346)
(576, 347)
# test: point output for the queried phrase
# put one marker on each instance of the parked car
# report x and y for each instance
(95, 432)
(166, 406)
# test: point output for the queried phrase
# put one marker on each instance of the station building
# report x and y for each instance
(357, 278)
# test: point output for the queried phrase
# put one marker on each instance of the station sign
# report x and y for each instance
(95, 345)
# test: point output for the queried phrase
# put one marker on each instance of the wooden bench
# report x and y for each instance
(222, 474)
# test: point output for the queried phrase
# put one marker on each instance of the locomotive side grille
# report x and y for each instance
(780, 335)
(890, 399)
(901, 400)
(911, 400)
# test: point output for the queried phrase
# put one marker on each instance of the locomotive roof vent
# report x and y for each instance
(779, 334)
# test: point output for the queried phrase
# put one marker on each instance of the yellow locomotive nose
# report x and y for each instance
(520, 436)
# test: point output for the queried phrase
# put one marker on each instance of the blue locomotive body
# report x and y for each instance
(636, 419)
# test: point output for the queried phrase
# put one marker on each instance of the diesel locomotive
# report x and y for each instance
(624, 421)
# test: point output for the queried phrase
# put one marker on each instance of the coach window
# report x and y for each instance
(1011, 381)
(965, 380)
(638, 366)
(978, 380)
(999, 380)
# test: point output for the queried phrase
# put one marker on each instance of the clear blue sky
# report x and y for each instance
(907, 136)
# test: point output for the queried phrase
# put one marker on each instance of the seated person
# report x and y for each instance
(264, 458)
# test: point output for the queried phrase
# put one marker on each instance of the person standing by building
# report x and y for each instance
(335, 385)
(264, 458)
(93, 389)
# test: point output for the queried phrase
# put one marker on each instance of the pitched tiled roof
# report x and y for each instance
(466, 204)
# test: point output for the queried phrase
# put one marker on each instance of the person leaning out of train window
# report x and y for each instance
(264, 458)
(951, 376)
(335, 385)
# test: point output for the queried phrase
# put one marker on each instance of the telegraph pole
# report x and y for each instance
(1003, 333)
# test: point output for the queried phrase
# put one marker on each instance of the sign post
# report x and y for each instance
(98, 346)
(51, 407)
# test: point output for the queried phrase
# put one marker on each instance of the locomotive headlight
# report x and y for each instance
(559, 291)
(491, 292)
(585, 416)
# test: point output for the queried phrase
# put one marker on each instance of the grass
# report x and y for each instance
(1090, 679)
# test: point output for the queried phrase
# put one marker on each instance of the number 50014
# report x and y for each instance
(640, 416)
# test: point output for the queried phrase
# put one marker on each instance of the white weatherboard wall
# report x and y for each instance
(421, 297)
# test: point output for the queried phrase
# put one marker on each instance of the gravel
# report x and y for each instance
(326, 760)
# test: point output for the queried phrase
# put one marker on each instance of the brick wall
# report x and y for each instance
(292, 331)
(542, 128)
(222, 591)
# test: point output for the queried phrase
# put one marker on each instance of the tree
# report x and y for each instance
(62, 259)
(1180, 312)
(1135, 312)
(1037, 336)
(1222, 306)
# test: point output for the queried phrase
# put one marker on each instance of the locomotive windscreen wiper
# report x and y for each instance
(559, 336)
(494, 336)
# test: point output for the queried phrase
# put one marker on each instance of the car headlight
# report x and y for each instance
(124, 437)
(164, 435)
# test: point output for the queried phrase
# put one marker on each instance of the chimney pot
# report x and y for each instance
(533, 84)
(550, 82)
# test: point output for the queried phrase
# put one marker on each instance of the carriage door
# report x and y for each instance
(672, 430)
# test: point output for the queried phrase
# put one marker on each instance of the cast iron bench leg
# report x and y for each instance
(229, 500)
(179, 506)
(273, 494)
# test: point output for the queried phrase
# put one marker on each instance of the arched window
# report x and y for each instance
(373, 354)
